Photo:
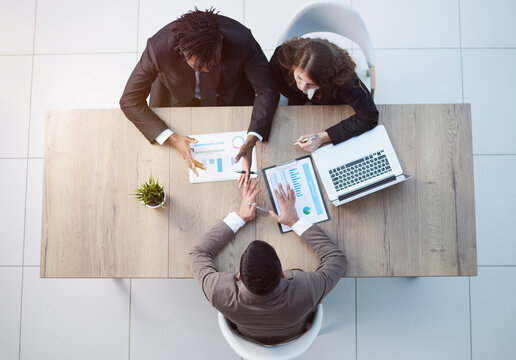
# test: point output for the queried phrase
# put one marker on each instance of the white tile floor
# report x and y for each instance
(78, 54)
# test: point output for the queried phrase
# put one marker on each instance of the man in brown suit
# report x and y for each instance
(262, 302)
(201, 59)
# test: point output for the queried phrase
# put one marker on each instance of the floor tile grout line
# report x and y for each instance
(130, 307)
(27, 179)
(243, 11)
(21, 158)
(495, 266)
(461, 58)
(14, 266)
(352, 43)
(493, 154)
(17, 266)
(137, 29)
(489, 47)
(21, 313)
(264, 49)
(470, 321)
(356, 318)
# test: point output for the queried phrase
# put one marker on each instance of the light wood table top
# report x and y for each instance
(94, 159)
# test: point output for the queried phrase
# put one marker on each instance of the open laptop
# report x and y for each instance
(358, 166)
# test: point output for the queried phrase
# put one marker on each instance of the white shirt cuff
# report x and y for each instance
(301, 226)
(161, 138)
(234, 221)
(255, 134)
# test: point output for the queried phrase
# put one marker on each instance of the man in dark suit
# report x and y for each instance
(201, 59)
(264, 303)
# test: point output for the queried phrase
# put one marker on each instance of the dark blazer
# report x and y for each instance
(245, 79)
(354, 94)
(287, 311)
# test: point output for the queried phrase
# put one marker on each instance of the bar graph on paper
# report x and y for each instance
(217, 152)
(300, 175)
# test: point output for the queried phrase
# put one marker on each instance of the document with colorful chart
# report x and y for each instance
(217, 152)
(300, 175)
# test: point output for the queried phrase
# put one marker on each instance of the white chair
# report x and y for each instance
(335, 18)
(289, 350)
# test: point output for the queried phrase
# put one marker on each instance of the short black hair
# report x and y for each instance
(260, 268)
(199, 34)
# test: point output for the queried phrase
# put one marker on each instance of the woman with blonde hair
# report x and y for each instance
(318, 72)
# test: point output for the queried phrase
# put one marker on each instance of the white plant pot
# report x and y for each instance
(157, 206)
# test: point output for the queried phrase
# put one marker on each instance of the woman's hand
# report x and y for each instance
(313, 144)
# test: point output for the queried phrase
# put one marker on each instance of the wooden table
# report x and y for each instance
(94, 159)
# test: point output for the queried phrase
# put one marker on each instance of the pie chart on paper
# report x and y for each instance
(237, 142)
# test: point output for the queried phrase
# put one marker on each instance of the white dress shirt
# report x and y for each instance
(165, 134)
(235, 222)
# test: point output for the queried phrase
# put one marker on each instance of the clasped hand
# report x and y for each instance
(286, 200)
(246, 154)
(248, 212)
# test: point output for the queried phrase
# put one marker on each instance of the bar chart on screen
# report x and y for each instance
(217, 152)
(299, 174)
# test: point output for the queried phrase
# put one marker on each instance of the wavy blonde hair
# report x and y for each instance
(326, 64)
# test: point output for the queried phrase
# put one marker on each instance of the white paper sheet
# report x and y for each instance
(217, 151)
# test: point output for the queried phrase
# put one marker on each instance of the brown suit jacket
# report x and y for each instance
(281, 315)
(245, 79)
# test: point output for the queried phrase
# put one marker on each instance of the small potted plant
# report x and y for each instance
(151, 194)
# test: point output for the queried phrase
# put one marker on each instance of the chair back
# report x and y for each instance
(289, 350)
(331, 17)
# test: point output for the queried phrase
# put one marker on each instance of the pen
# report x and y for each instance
(305, 139)
(259, 208)
(251, 172)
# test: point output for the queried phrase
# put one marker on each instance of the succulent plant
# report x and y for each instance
(150, 193)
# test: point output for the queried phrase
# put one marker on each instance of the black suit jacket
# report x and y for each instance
(354, 94)
(245, 79)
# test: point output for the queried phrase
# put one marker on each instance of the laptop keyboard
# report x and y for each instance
(360, 170)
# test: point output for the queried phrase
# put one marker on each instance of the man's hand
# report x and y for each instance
(182, 144)
(249, 194)
(287, 203)
(314, 144)
(246, 153)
